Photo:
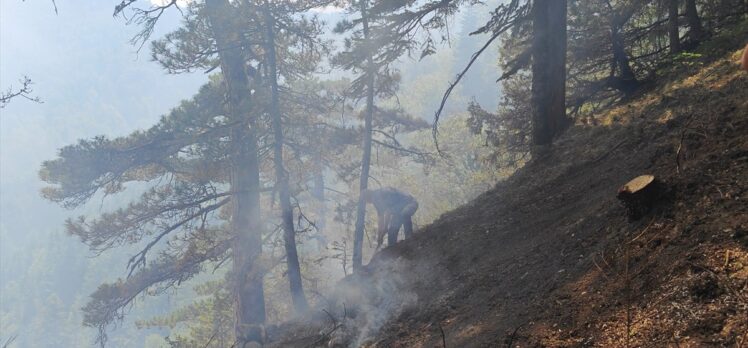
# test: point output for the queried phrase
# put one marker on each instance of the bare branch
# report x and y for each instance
(504, 17)
(146, 18)
(24, 92)
(401, 149)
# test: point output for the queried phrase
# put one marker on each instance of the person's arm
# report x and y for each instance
(744, 61)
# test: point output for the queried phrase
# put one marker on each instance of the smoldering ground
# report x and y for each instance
(369, 301)
(358, 308)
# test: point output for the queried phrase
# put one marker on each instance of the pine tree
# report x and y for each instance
(185, 161)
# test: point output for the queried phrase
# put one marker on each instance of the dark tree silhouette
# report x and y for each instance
(548, 70)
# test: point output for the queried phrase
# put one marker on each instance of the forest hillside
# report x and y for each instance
(564, 173)
(548, 258)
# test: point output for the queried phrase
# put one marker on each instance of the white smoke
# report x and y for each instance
(368, 303)
(327, 9)
(180, 3)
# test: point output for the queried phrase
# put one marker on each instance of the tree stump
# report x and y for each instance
(639, 195)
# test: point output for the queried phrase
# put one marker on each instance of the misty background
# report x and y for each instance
(92, 81)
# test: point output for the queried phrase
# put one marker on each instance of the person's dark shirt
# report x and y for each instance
(390, 199)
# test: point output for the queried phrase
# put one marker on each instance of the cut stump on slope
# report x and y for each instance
(639, 195)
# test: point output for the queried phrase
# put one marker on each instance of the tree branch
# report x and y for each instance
(24, 92)
(139, 259)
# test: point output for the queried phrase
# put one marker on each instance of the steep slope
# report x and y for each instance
(549, 259)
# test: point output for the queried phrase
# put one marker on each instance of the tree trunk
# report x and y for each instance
(621, 57)
(358, 237)
(549, 70)
(319, 194)
(673, 28)
(695, 29)
(246, 224)
(724, 10)
(626, 81)
(281, 176)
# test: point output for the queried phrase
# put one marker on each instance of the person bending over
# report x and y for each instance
(394, 209)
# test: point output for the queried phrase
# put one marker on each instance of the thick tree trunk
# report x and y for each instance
(673, 27)
(358, 237)
(695, 29)
(281, 176)
(246, 224)
(549, 70)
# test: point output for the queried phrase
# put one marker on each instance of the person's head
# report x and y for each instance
(744, 60)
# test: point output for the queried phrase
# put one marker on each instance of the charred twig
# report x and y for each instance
(513, 335)
(444, 337)
(602, 271)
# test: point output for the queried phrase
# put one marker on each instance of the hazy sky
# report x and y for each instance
(91, 81)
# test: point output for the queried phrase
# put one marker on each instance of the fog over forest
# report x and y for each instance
(92, 81)
(373, 173)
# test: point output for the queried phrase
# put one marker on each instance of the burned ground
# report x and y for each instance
(548, 258)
